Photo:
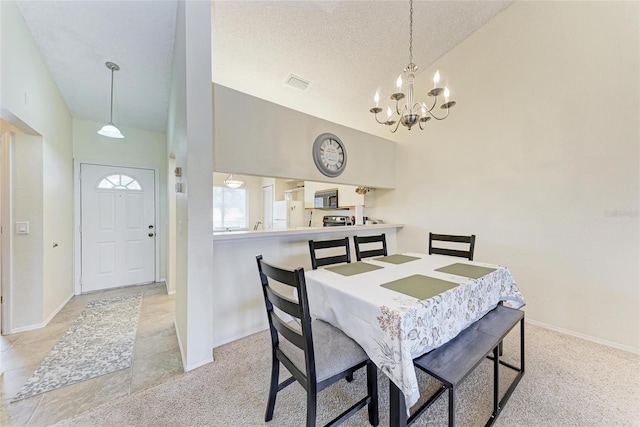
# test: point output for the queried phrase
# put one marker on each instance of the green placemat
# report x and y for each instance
(397, 259)
(354, 268)
(419, 286)
(466, 270)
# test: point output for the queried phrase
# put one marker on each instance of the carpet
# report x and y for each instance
(569, 382)
(99, 342)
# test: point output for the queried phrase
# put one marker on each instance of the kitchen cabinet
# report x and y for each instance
(347, 196)
(310, 189)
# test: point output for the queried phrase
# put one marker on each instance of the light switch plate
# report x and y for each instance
(22, 227)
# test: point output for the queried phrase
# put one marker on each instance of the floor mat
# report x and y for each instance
(99, 342)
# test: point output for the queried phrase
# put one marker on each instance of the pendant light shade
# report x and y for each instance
(234, 181)
(110, 130)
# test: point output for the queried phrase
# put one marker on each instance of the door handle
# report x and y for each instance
(150, 234)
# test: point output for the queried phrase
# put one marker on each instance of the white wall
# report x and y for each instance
(30, 100)
(258, 137)
(138, 148)
(189, 136)
(540, 159)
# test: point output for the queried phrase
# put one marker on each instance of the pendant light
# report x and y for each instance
(234, 181)
(110, 130)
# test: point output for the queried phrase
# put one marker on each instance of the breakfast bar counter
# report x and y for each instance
(238, 303)
(315, 232)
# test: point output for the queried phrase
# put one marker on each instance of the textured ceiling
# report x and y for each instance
(76, 38)
(346, 49)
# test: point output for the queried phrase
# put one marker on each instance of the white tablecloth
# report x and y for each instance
(394, 328)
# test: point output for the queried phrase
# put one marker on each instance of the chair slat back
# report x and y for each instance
(281, 328)
(327, 244)
(357, 240)
(452, 238)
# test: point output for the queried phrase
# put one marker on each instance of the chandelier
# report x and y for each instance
(412, 113)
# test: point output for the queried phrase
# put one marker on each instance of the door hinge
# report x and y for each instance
(1, 299)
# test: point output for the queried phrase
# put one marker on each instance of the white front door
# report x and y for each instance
(118, 229)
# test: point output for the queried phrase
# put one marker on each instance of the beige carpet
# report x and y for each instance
(568, 382)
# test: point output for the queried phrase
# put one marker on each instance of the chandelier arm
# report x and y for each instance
(398, 112)
(438, 118)
(420, 122)
(396, 128)
(435, 101)
(382, 123)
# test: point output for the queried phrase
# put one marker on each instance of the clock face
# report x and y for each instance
(329, 154)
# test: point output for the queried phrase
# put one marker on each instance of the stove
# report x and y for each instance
(336, 220)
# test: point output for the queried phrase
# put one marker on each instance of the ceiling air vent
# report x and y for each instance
(297, 82)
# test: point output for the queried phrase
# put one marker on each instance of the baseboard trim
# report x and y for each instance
(43, 324)
(182, 355)
(186, 367)
(584, 336)
(240, 336)
(197, 365)
(57, 310)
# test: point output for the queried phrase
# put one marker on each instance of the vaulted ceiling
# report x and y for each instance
(346, 50)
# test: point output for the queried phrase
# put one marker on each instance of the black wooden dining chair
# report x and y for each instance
(370, 252)
(315, 245)
(316, 353)
(471, 240)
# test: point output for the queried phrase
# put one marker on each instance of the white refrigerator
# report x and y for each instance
(288, 214)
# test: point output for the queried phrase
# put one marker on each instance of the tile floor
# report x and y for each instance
(156, 357)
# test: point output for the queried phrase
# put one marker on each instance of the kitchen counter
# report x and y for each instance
(232, 236)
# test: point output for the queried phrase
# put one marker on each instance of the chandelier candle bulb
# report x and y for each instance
(446, 94)
(399, 83)
(436, 79)
(376, 99)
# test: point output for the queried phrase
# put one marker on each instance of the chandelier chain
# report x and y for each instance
(410, 31)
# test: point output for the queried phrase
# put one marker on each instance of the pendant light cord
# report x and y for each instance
(111, 111)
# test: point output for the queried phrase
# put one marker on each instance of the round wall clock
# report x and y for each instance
(329, 154)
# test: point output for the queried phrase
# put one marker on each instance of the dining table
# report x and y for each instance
(401, 306)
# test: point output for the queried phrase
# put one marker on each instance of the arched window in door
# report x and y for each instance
(119, 182)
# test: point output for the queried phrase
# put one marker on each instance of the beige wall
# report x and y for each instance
(257, 137)
(27, 205)
(30, 101)
(138, 148)
(540, 159)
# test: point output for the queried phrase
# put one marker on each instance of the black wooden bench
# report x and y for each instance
(452, 362)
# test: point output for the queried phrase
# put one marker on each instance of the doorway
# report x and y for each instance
(118, 227)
